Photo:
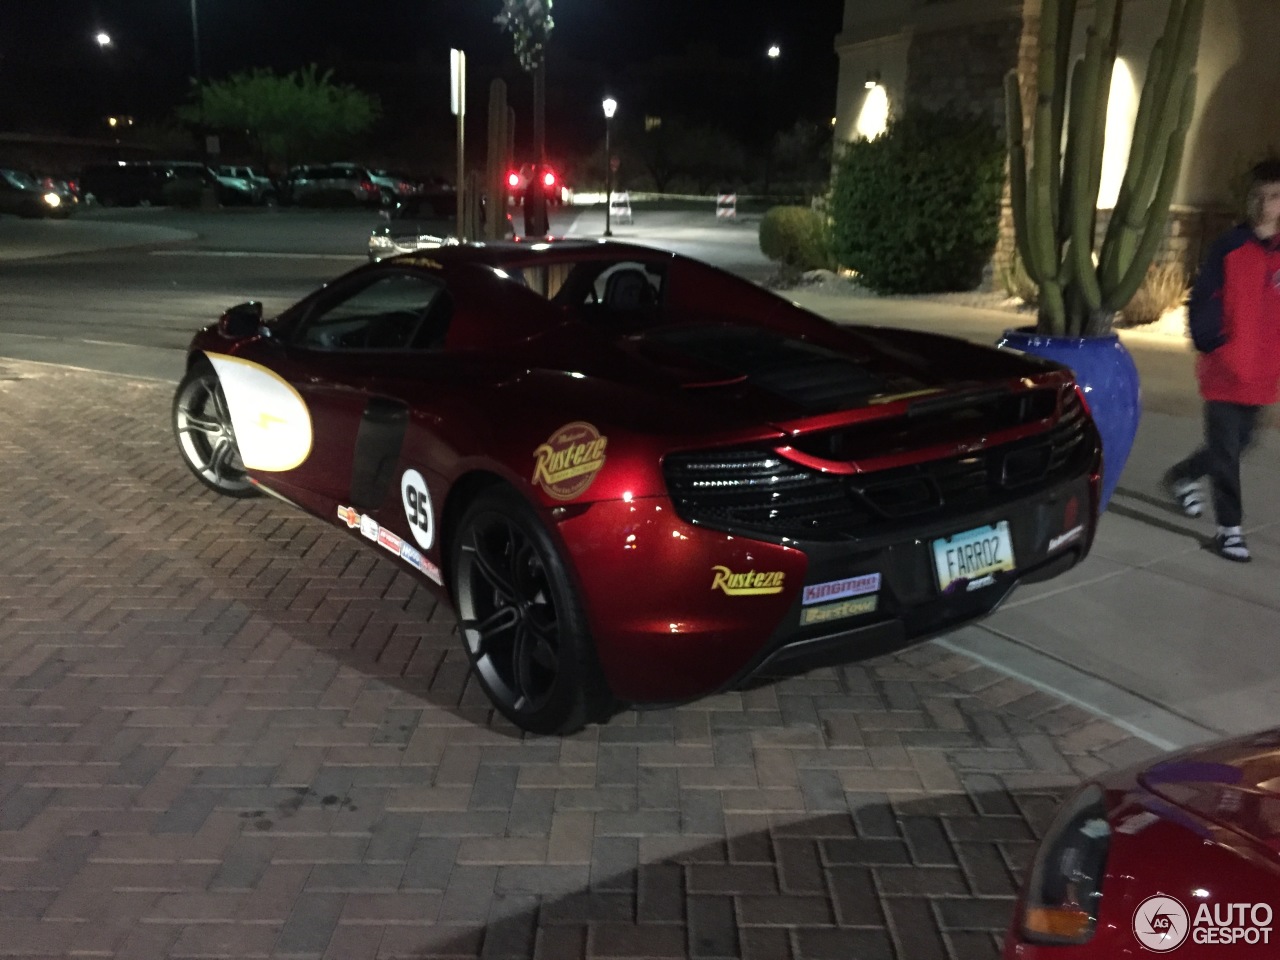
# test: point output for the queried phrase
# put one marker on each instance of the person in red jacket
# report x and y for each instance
(1234, 314)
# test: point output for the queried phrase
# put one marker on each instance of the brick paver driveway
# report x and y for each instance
(227, 729)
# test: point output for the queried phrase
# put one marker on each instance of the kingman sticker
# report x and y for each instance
(839, 589)
(417, 508)
(838, 611)
(749, 584)
(567, 464)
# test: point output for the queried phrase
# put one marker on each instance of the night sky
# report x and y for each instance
(54, 77)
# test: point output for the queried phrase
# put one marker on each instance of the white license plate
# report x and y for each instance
(973, 555)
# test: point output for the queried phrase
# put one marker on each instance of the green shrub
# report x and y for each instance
(183, 193)
(917, 209)
(795, 238)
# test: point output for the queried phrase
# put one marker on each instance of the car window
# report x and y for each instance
(626, 286)
(399, 311)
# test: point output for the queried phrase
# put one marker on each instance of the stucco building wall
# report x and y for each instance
(958, 51)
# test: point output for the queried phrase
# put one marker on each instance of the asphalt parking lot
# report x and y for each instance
(229, 730)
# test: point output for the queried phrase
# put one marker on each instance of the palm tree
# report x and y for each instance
(530, 24)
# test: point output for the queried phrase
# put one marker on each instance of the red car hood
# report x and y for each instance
(1233, 783)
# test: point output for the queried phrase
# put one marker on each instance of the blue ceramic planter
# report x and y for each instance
(1109, 378)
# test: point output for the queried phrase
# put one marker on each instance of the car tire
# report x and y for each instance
(520, 619)
(206, 440)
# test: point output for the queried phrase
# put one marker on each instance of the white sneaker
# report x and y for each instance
(1189, 495)
(1229, 543)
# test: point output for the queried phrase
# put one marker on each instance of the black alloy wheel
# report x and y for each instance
(523, 627)
(205, 435)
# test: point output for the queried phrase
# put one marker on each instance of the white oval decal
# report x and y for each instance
(271, 421)
(417, 508)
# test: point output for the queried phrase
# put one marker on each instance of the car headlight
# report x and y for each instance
(52, 199)
(381, 242)
(1065, 889)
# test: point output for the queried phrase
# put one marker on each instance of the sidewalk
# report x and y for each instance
(229, 730)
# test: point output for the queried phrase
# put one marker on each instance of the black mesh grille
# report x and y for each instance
(754, 489)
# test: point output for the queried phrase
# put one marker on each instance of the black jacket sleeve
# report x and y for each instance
(1204, 311)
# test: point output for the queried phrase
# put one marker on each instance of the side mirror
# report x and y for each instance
(242, 320)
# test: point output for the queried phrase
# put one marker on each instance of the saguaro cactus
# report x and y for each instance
(1055, 191)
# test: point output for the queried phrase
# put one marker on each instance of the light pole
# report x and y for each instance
(195, 38)
(774, 52)
(610, 108)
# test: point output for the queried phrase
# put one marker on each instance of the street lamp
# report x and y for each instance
(610, 108)
(102, 39)
(774, 52)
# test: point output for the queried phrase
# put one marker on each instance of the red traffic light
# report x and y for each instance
(549, 178)
(513, 179)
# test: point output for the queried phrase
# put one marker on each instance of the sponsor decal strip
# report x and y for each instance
(391, 542)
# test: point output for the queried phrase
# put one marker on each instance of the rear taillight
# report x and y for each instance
(368, 186)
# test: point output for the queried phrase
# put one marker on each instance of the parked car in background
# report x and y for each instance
(401, 186)
(124, 183)
(519, 180)
(1177, 854)
(226, 189)
(68, 190)
(263, 187)
(640, 479)
(22, 194)
(418, 223)
(337, 184)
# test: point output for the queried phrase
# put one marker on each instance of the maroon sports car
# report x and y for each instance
(1180, 854)
(641, 479)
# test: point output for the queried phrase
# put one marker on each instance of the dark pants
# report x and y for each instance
(1228, 431)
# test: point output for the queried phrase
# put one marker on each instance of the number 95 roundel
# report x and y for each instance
(417, 508)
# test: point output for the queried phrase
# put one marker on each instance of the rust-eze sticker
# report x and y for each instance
(567, 464)
(749, 584)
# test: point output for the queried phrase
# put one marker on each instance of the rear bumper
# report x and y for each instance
(666, 630)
